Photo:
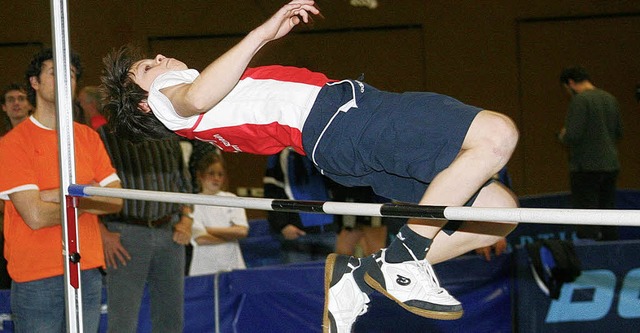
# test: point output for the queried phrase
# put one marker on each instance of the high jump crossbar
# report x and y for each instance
(505, 215)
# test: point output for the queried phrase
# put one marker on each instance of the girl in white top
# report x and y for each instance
(216, 230)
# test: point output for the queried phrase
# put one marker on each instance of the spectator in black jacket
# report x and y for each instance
(304, 236)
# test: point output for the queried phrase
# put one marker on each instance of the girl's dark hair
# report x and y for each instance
(123, 95)
(35, 69)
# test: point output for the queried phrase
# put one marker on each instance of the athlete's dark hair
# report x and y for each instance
(123, 96)
(35, 69)
(576, 73)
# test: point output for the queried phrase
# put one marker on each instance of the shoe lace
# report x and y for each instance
(428, 277)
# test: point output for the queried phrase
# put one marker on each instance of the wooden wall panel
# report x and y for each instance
(609, 48)
(15, 59)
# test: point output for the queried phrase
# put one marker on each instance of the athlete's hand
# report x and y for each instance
(285, 19)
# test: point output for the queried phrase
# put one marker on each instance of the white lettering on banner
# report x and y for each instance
(561, 235)
(599, 286)
(4, 317)
(629, 304)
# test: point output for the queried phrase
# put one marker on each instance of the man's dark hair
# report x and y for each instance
(123, 96)
(11, 87)
(35, 69)
(576, 73)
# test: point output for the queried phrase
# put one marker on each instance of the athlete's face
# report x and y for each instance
(147, 70)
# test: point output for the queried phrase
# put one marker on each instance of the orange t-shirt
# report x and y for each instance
(29, 160)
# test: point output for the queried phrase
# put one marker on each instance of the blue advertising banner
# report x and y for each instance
(290, 299)
(605, 298)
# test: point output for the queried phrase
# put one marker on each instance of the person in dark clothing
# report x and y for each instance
(303, 236)
(592, 129)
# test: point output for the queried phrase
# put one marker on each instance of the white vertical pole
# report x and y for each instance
(64, 108)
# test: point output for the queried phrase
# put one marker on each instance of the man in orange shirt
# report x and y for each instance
(17, 108)
(30, 186)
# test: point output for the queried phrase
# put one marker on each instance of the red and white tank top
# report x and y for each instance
(263, 114)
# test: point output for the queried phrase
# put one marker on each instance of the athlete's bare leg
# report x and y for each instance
(489, 143)
(487, 147)
(473, 235)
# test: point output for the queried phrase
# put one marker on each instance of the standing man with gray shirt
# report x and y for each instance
(592, 129)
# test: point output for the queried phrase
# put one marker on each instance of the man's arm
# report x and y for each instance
(182, 229)
(575, 124)
(101, 205)
(41, 209)
(219, 77)
(619, 125)
(36, 212)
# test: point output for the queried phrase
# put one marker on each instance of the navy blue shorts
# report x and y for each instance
(395, 143)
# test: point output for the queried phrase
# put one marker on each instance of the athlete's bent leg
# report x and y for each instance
(472, 235)
(487, 147)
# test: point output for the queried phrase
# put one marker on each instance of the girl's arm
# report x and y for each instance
(217, 235)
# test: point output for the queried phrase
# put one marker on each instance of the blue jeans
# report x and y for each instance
(156, 260)
(39, 306)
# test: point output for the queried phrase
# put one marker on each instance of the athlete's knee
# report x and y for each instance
(496, 194)
(500, 133)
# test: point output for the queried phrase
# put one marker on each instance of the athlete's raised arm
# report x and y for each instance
(219, 77)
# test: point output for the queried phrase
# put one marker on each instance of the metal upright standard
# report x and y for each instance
(64, 107)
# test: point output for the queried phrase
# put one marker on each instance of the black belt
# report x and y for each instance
(152, 223)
